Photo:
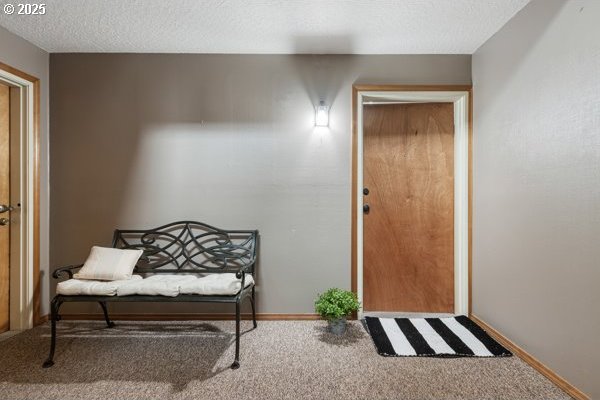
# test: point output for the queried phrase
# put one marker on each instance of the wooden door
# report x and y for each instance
(408, 232)
(4, 199)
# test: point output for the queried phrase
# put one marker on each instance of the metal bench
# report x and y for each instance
(179, 247)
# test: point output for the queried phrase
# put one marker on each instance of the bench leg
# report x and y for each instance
(253, 307)
(236, 362)
(54, 307)
(109, 323)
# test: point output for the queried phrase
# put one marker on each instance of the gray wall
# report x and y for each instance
(20, 54)
(141, 140)
(536, 255)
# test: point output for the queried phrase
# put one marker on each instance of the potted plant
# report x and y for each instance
(335, 305)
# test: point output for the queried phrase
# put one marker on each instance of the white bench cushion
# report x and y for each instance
(76, 287)
(215, 284)
(156, 285)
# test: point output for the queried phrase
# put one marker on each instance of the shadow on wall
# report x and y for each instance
(323, 75)
(222, 139)
(521, 47)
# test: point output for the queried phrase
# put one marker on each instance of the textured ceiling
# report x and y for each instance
(264, 26)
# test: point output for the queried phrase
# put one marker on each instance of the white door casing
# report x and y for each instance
(460, 99)
(22, 221)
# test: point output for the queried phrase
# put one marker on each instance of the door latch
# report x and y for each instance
(4, 208)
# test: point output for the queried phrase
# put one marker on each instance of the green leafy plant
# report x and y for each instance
(336, 303)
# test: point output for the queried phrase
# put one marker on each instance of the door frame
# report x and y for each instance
(25, 285)
(462, 98)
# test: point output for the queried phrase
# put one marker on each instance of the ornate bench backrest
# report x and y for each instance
(189, 246)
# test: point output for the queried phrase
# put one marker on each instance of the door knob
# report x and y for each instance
(4, 221)
(4, 208)
(366, 208)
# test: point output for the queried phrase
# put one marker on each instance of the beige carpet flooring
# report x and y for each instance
(279, 360)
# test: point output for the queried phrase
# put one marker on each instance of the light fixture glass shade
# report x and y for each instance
(322, 115)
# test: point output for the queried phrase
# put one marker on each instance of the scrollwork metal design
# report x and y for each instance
(190, 245)
(65, 272)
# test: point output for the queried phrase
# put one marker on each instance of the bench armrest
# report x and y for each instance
(65, 271)
(246, 269)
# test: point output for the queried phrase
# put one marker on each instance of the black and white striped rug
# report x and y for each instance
(432, 337)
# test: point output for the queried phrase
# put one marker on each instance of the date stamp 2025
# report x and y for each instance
(24, 9)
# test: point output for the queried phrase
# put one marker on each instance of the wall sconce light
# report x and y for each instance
(322, 114)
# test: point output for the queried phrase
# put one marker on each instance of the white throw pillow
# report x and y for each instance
(108, 264)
